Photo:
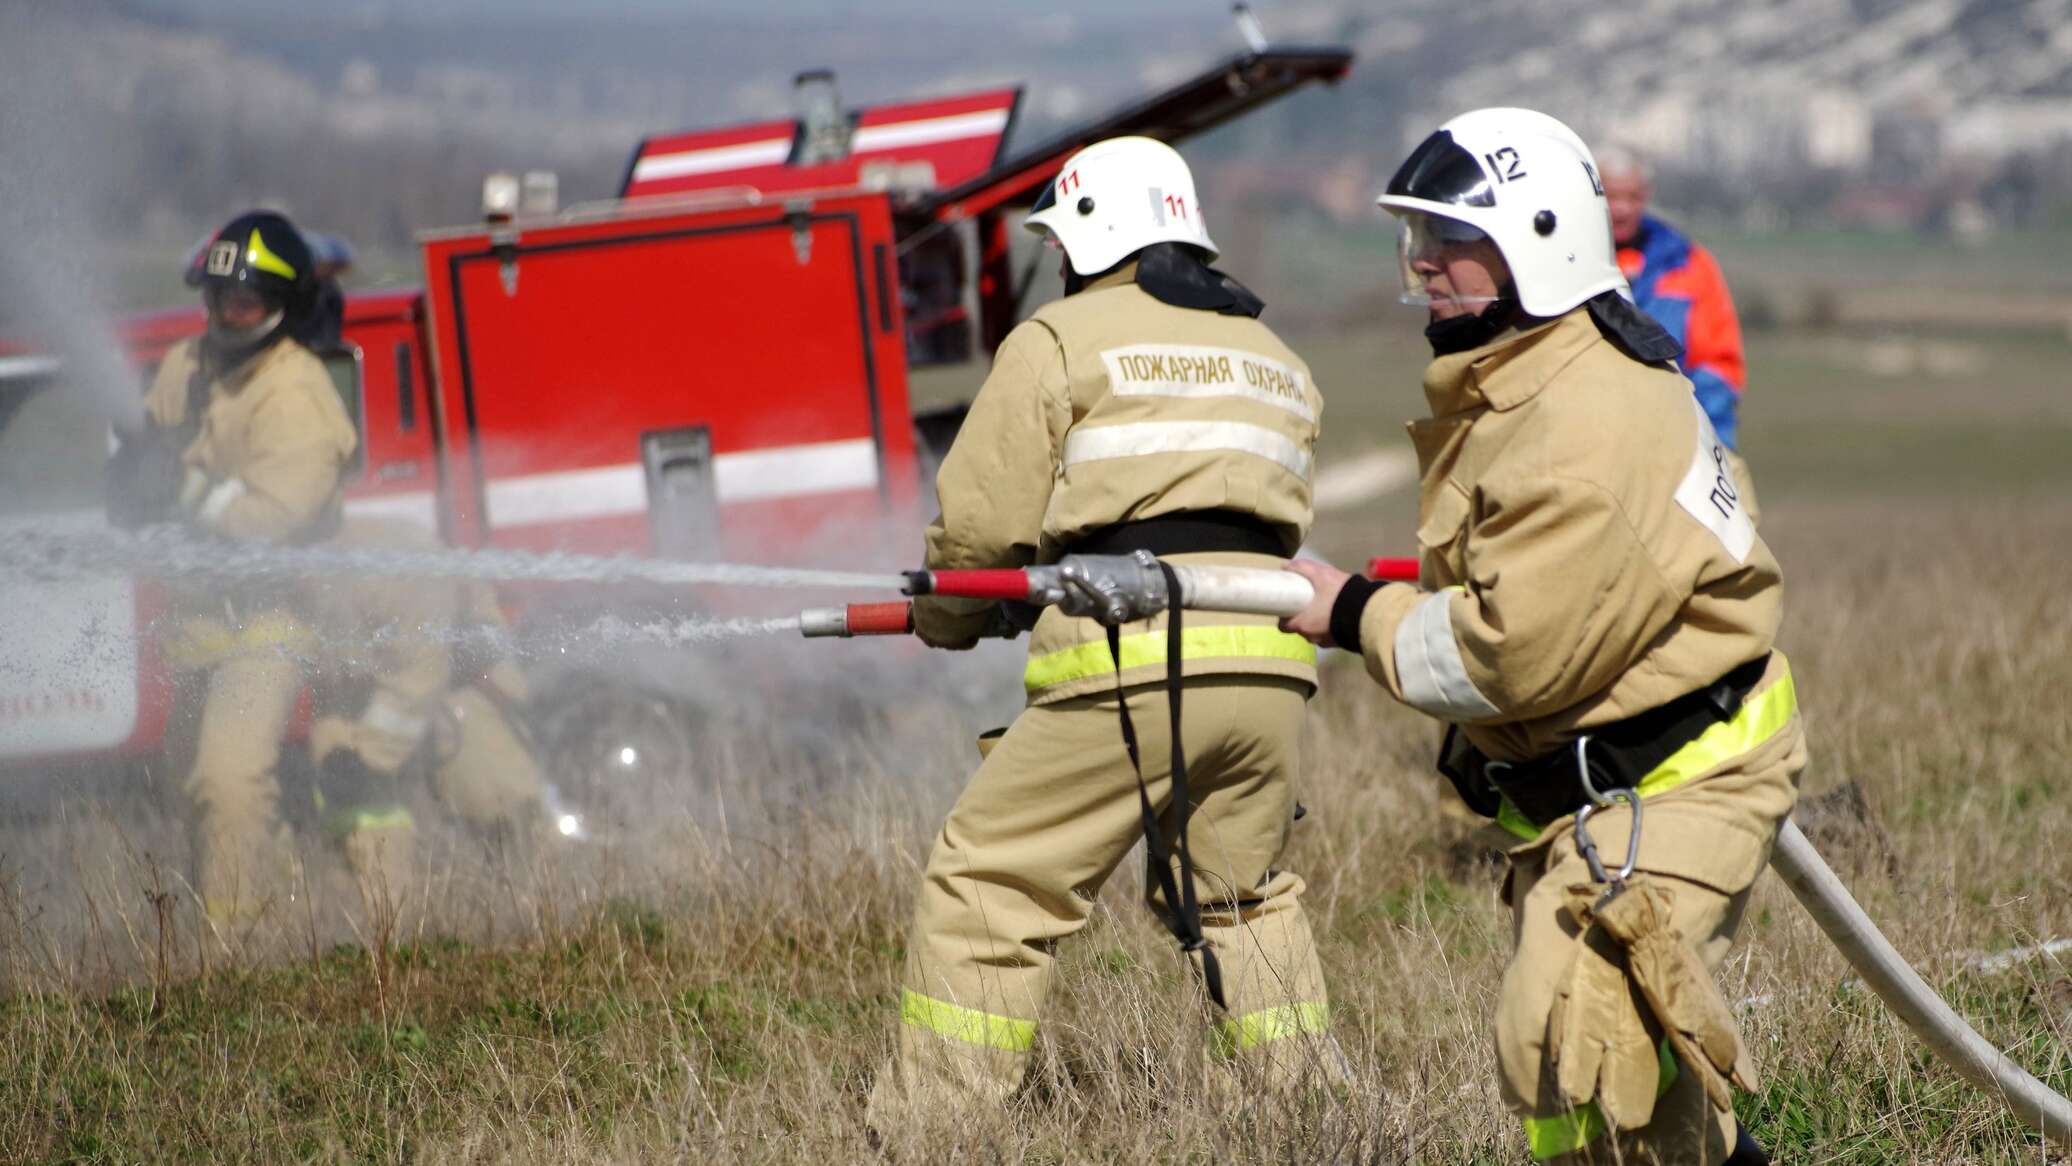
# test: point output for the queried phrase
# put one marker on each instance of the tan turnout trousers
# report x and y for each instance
(1576, 1047)
(1051, 812)
(244, 859)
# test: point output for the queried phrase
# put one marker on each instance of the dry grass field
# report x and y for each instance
(684, 996)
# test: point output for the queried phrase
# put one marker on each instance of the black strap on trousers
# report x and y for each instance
(1183, 911)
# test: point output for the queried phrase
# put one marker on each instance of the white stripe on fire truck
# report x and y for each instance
(768, 152)
(417, 507)
(745, 476)
(27, 366)
(822, 468)
(924, 131)
(568, 496)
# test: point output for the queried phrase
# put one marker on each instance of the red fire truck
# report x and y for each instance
(712, 366)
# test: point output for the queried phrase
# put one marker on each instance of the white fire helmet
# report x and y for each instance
(1117, 197)
(1527, 182)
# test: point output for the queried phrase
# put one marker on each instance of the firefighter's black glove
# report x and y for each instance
(143, 481)
(1015, 617)
(954, 625)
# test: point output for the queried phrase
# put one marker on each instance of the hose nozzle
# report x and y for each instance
(857, 619)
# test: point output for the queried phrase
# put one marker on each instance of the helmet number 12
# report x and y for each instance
(1505, 165)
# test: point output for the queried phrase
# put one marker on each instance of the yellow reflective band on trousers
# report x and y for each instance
(1080, 661)
(1762, 717)
(1253, 1029)
(1549, 1136)
(969, 1025)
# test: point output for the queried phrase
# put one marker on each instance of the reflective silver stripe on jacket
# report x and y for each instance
(1148, 437)
(1429, 666)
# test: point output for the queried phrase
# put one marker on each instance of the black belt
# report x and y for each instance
(1185, 532)
(1553, 786)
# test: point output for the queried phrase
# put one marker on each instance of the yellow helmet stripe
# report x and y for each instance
(258, 256)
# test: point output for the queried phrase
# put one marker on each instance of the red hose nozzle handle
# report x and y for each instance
(1006, 583)
(1392, 570)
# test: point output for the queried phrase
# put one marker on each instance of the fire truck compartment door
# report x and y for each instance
(755, 332)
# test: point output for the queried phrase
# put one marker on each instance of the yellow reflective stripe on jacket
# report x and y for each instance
(205, 643)
(1268, 1024)
(966, 1024)
(1762, 717)
(1140, 648)
(1547, 1137)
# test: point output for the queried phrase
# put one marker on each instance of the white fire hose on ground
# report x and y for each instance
(1117, 589)
(1909, 997)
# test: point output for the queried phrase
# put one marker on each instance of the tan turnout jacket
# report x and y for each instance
(1111, 406)
(1585, 555)
(274, 440)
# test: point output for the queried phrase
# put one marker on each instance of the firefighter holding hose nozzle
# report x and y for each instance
(1594, 623)
(1147, 409)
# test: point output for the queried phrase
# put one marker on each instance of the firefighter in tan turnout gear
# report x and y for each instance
(247, 440)
(1594, 622)
(1146, 409)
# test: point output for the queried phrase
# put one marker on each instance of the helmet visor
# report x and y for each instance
(1046, 200)
(1439, 170)
(1427, 241)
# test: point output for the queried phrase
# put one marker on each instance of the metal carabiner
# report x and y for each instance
(1587, 846)
(1583, 773)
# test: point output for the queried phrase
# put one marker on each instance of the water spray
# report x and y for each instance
(50, 554)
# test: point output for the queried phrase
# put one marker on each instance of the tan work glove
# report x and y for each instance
(1674, 982)
(1597, 1039)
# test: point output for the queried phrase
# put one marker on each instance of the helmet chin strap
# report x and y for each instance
(1461, 333)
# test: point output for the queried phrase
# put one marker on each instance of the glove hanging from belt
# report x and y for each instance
(1677, 988)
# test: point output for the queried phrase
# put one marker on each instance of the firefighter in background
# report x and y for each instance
(245, 439)
(1677, 282)
(323, 327)
(427, 692)
(1594, 622)
(1147, 408)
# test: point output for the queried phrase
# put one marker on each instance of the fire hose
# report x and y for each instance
(1115, 589)
(1134, 589)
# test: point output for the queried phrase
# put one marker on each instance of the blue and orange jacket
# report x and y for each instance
(1676, 281)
